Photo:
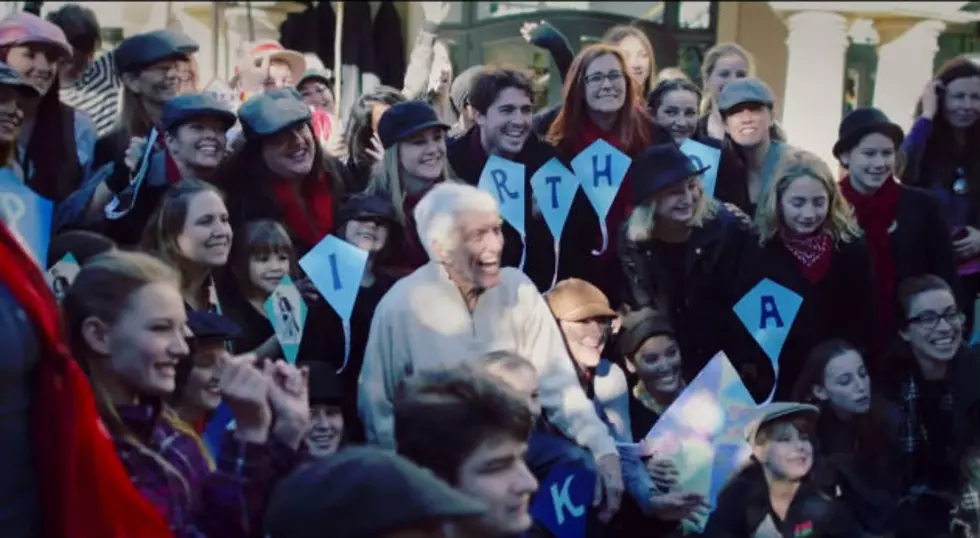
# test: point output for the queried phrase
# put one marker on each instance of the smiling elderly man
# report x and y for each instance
(463, 304)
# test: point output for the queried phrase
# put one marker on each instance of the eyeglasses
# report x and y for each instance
(930, 319)
(595, 79)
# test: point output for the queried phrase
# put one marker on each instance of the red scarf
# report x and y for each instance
(812, 252)
(310, 216)
(84, 490)
(876, 214)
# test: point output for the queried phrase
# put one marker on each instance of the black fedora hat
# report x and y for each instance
(659, 167)
(860, 123)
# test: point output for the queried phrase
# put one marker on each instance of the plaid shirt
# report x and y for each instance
(913, 434)
(172, 472)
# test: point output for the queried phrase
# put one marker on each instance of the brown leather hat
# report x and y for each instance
(574, 299)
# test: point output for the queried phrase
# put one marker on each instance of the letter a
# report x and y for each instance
(563, 501)
(769, 311)
(500, 181)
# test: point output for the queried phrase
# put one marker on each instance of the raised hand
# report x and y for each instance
(289, 398)
(930, 98)
(245, 389)
(435, 12)
(134, 153)
(664, 473)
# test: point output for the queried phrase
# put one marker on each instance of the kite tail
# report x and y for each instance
(605, 239)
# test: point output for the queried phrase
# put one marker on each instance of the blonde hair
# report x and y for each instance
(388, 181)
(103, 289)
(642, 220)
(795, 164)
(711, 58)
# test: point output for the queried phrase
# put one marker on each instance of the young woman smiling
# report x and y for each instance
(941, 157)
(56, 143)
(674, 105)
(126, 322)
(191, 232)
(904, 226)
(414, 142)
(601, 101)
(809, 242)
(282, 173)
(679, 251)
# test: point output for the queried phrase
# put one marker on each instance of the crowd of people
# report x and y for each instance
(478, 359)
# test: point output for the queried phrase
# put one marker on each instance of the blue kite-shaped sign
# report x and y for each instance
(768, 311)
(563, 499)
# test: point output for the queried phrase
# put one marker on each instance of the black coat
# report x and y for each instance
(467, 159)
(703, 321)
(841, 305)
(921, 244)
(389, 45)
(744, 504)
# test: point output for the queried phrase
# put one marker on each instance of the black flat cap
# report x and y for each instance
(211, 326)
(184, 108)
(271, 112)
(404, 119)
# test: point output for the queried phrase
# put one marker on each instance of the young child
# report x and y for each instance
(777, 494)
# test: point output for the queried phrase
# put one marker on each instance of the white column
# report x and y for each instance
(905, 65)
(815, 81)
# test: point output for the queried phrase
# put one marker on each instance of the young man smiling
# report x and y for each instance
(501, 101)
(471, 431)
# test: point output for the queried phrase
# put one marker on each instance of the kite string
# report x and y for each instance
(605, 239)
(346, 345)
(554, 278)
(523, 251)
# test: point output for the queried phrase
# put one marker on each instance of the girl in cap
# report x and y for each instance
(941, 157)
(155, 67)
(126, 324)
(282, 173)
(192, 129)
(904, 226)
(190, 231)
(414, 160)
(679, 251)
(857, 429)
(55, 149)
(809, 242)
(779, 492)
(327, 434)
(601, 102)
(362, 149)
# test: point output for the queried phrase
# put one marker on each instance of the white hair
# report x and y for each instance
(436, 214)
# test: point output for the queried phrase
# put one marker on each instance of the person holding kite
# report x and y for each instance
(780, 491)
(810, 247)
(501, 100)
(679, 252)
(602, 103)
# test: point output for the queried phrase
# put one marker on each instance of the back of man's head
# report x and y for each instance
(443, 416)
(80, 25)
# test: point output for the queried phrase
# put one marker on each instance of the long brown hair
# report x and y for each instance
(871, 430)
(633, 125)
(618, 33)
(167, 223)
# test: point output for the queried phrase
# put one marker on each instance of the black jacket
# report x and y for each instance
(920, 243)
(467, 159)
(389, 45)
(744, 504)
(841, 305)
(703, 321)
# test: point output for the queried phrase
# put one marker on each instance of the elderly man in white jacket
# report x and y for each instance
(463, 304)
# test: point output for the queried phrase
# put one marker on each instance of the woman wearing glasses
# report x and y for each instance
(933, 383)
(601, 102)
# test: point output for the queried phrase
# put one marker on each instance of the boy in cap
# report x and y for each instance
(471, 430)
(197, 393)
(327, 433)
(776, 494)
(365, 492)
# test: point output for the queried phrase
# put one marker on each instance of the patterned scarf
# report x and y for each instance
(813, 253)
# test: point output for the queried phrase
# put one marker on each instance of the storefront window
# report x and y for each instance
(646, 11)
(695, 15)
